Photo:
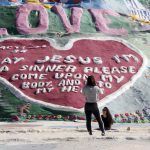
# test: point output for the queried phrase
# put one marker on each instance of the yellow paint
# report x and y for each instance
(137, 18)
(33, 1)
(48, 6)
(134, 17)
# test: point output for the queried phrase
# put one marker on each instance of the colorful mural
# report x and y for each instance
(48, 48)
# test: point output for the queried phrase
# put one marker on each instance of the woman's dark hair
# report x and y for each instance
(109, 116)
(91, 81)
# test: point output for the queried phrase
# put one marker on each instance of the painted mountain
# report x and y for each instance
(48, 49)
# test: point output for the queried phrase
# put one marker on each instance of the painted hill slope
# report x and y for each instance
(135, 98)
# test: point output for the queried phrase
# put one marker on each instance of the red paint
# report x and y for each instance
(84, 48)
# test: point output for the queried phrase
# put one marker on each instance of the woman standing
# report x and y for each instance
(91, 93)
(107, 118)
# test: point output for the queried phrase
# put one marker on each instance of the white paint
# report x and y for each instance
(6, 60)
(96, 70)
(60, 68)
(97, 60)
(44, 90)
(70, 68)
(70, 75)
(116, 58)
(4, 69)
(41, 61)
(105, 77)
(33, 85)
(50, 68)
(29, 76)
(106, 70)
(25, 85)
(16, 60)
(132, 69)
(88, 69)
(85, 61)
(56, 59)
(124, 69)
(115, 70)
(68, 82)
(108, 85)
(69, 59)
(127, 57)
(118, 79)
(58, 75)
(70, 89)
(103, 85)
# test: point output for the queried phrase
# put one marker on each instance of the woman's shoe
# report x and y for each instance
(103, 134)
(90, 132)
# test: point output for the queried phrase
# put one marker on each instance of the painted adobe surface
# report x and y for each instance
(56, 27)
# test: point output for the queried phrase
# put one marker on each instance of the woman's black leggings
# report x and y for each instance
(91, 108)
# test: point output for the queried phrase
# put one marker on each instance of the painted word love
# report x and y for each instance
(36, 71)
(101, 23)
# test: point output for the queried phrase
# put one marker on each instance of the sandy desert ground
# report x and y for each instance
(59, 135)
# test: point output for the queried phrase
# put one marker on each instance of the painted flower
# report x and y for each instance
(116, 115)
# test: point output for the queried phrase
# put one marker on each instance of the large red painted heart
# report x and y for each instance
(37, 71)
